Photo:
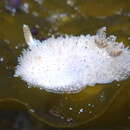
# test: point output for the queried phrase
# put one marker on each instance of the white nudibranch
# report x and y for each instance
(71, 63)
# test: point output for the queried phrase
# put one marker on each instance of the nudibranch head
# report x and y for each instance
(70, 63)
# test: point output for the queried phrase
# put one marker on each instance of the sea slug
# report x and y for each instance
(70, 63)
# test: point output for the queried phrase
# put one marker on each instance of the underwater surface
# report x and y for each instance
(101, 107)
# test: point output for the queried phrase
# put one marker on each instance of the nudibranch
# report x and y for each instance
(67, 64)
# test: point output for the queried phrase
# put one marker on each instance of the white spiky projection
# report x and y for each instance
(71, 63)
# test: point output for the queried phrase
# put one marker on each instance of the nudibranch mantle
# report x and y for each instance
(70, 63)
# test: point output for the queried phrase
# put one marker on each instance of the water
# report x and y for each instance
(55, 17)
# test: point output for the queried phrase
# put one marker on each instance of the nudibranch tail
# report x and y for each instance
(27, 35)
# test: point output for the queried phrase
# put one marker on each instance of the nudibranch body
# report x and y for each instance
(70, 63)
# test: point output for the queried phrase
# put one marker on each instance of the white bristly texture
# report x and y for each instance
(70, 63)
